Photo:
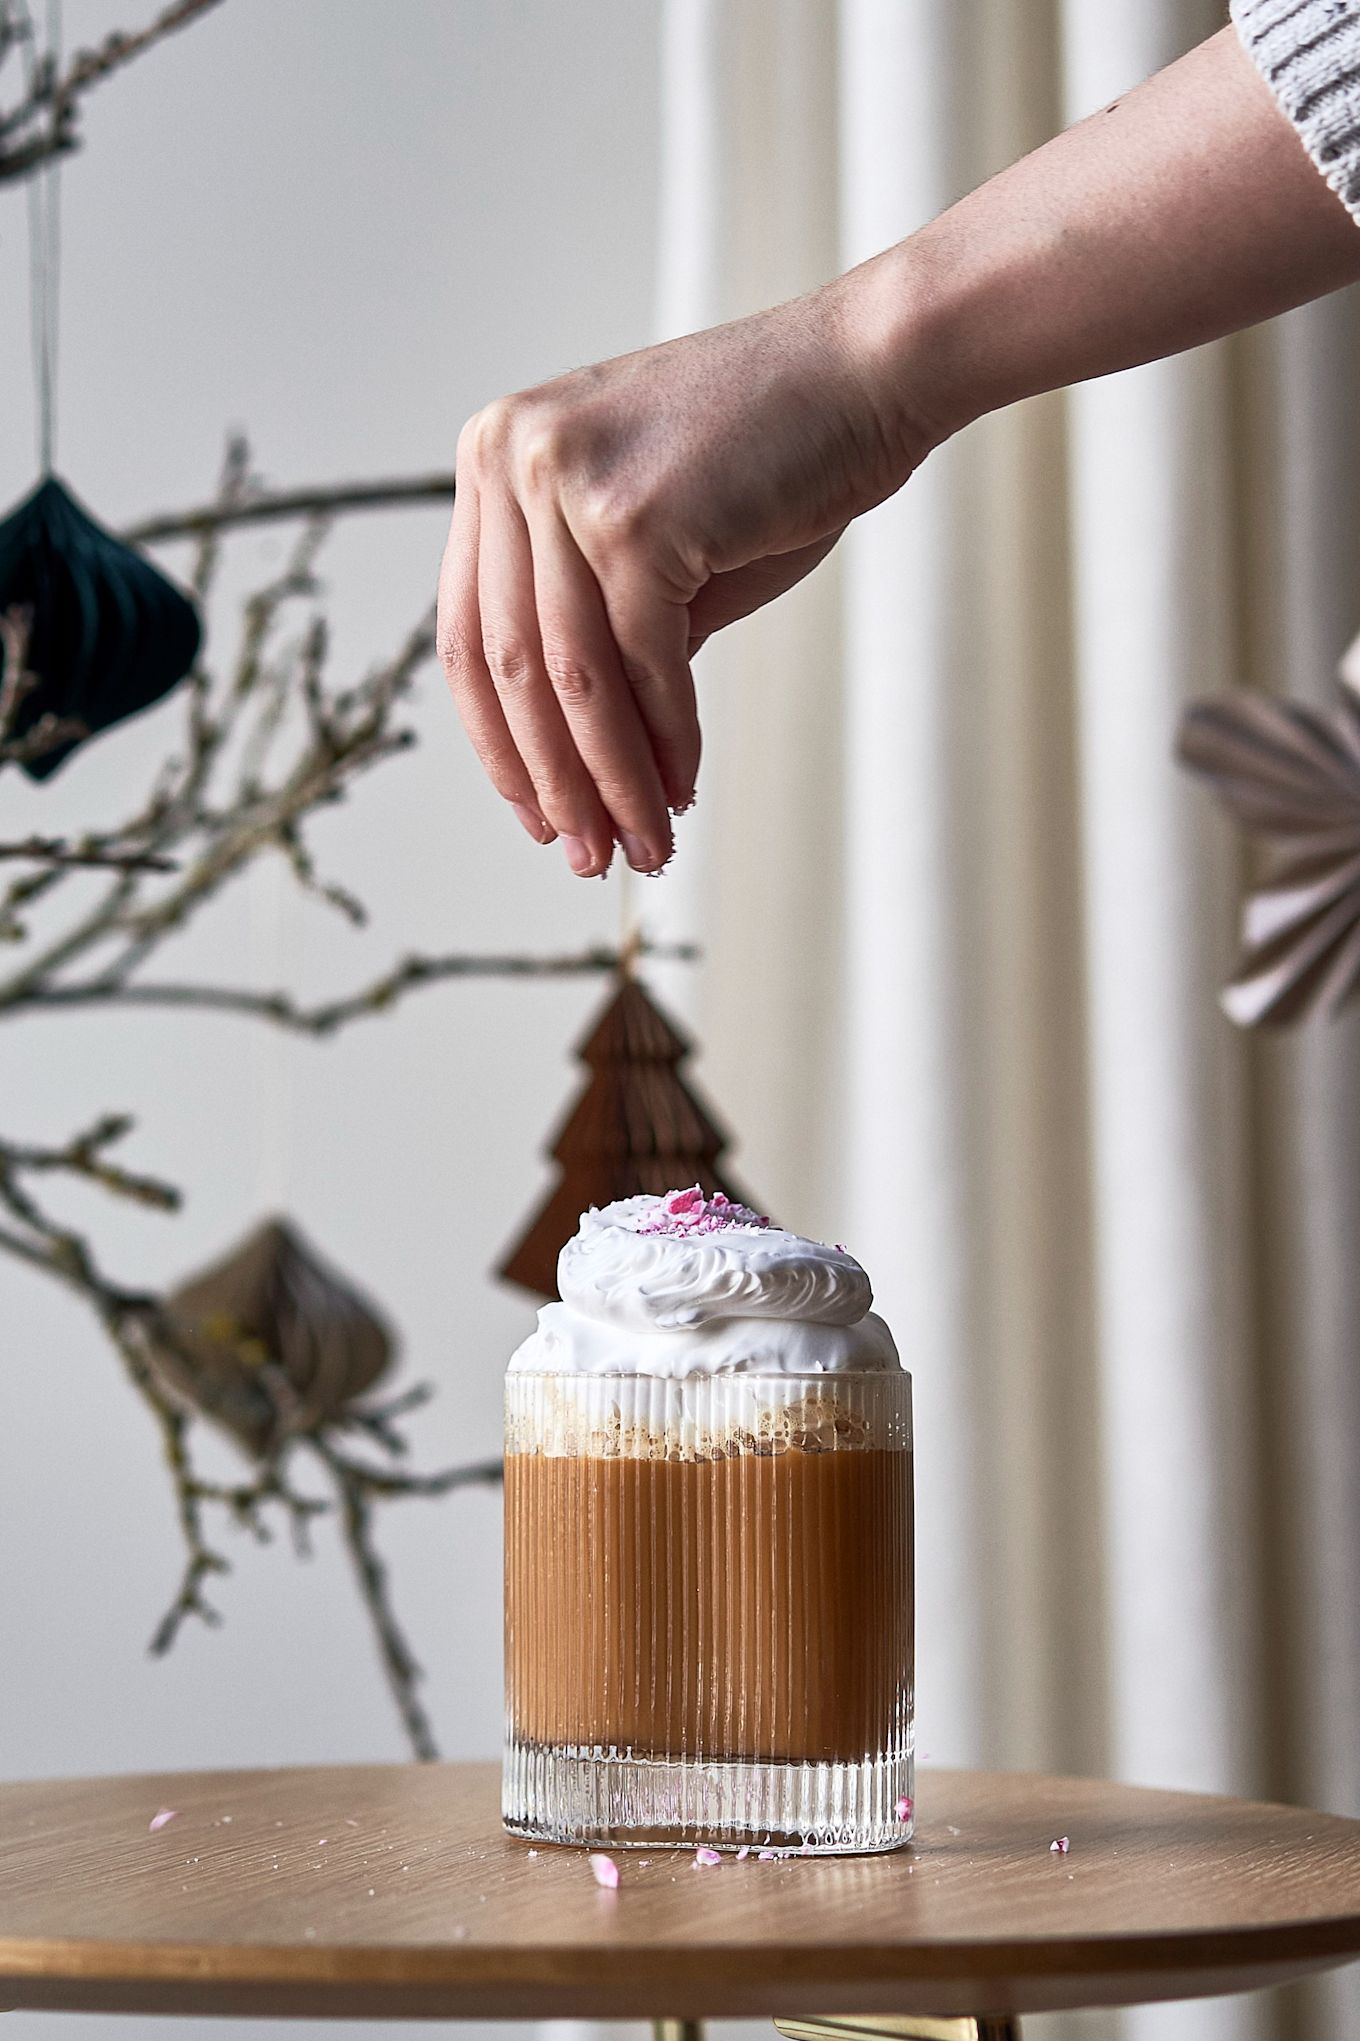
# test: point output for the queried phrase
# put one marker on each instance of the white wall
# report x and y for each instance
(342, 226)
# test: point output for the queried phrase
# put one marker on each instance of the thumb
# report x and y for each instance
(726, 597)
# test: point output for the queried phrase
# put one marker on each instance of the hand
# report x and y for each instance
(608, 522)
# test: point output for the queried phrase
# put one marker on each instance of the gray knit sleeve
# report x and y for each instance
(1308, 52)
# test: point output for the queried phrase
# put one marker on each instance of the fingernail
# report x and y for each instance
(580, 856)
(638, 854)
(533, 822)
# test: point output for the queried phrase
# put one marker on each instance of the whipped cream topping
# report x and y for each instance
(684, 1285)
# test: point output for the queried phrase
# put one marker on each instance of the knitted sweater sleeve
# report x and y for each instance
(1308, 52)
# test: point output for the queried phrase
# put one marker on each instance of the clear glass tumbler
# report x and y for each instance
(709, 1610)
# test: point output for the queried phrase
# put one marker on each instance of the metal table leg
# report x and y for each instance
(902, 2027)
(678, 2030)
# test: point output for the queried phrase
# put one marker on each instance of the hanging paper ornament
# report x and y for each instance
(271, 1340)
(1290, 774)
(636, 1127)
(107, 634)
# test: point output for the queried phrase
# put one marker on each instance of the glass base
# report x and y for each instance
(565, 1795)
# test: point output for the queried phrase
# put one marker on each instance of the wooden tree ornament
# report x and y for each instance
(636, 1127)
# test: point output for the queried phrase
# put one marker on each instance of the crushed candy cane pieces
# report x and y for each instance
(1060, 1846)
(706, 1857)
(687, 1212)
(767, 1856)
(160, 1820)
(743, 1853)
(904, 1807)
(604, 1871)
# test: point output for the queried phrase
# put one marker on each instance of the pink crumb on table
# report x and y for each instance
(905, 1805)
(1060, 1846)
(767, 1856)
(743, 1853)
(161, 1819)
(706, 1857)
(604, 1871)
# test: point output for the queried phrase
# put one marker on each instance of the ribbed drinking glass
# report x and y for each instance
(709, 1610)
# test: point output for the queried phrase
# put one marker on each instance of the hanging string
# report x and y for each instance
(630, 926)
(44, 250)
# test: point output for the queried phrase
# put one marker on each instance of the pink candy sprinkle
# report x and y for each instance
(904, 1807)
(683, 1213)
(743, 1853)
(767, 1856)
(706, 1857)
(167, 1814)
(604, 1871)
(1061, 1846)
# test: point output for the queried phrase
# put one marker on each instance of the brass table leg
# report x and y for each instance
(902, 2027)
(678, 2030)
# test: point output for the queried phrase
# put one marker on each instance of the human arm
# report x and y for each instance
(609, 521)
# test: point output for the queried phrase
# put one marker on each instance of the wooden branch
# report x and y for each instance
(267, 743)
(398, 1661)
(271, 506)
(85, 1156)
(48, 105)
(54, 850)
(325, 1019)
(17, 682)
(128, 1317)
(358, 1487)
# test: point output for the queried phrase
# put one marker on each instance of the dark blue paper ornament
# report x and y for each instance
(108, 634)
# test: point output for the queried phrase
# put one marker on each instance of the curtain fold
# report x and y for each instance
(963, 925)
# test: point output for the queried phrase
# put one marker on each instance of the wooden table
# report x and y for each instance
(391, 1891)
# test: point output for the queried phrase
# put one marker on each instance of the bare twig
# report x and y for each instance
(85, 1156)
(42, 123)
(17, 678)
(134, 1320)
(357, 1488)
(268, 743)
(269, 506)
(374, 999)
(54, 850)
(17, 682)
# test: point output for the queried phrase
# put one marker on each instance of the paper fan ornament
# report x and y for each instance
(637, 1126)
(106, 633)
(271, 1340)
(1290, 775)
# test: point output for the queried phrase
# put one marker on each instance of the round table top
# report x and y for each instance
(392, 1890)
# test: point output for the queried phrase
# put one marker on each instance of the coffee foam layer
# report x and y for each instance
(641, 1418)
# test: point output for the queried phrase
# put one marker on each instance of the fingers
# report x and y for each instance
(650, 634)
(512, 647)
(459, 638)
(571, 675)
(605, 714)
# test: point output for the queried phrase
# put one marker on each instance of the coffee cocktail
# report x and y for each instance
(709, 1609)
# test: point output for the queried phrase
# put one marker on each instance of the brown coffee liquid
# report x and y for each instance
(757, 1607)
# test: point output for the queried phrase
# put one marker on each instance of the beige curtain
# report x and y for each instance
(964, 924)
